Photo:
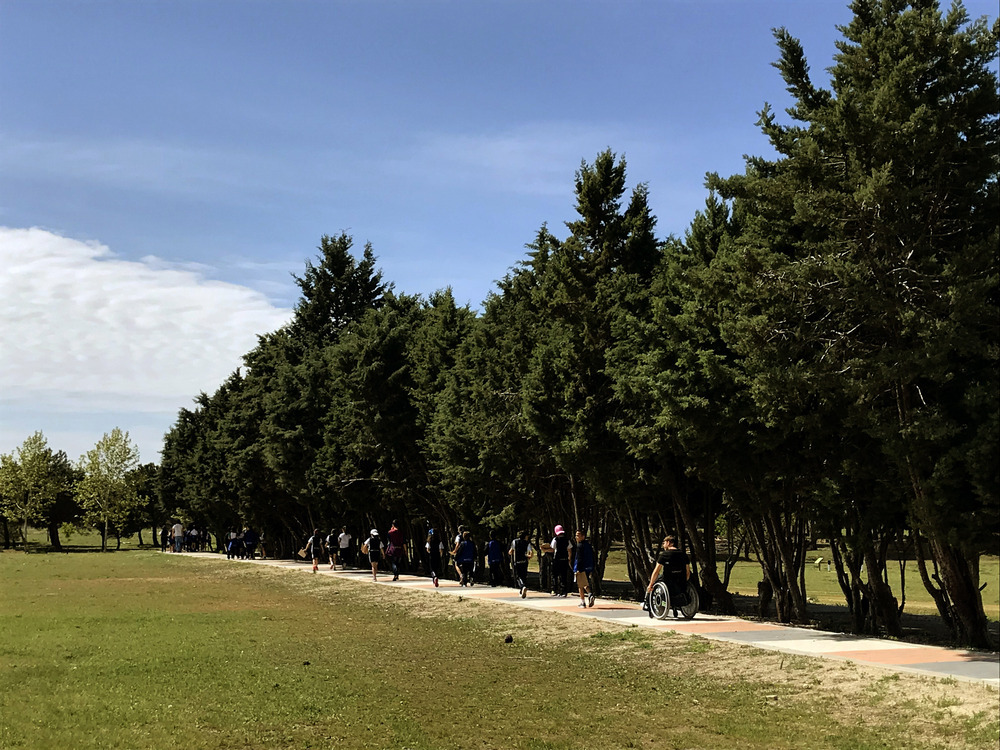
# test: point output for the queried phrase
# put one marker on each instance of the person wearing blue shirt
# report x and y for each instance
(494, 559)
(583, 566)
(465, 559)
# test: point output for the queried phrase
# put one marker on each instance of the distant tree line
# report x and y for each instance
(817, 357)
(107, 490)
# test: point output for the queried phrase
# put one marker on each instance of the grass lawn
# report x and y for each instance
(137, 649)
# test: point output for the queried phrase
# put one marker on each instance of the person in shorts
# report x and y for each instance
(583, 567)
(314, 548)
(373, 549)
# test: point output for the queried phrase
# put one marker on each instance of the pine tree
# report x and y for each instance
(872, 239)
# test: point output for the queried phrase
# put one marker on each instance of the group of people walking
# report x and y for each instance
(179, 538)
(338, 549)
(242, 545)
(567, 556)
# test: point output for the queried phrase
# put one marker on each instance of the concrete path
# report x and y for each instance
(974, 666)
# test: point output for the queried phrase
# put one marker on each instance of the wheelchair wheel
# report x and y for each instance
(659, 601)
(690, 608)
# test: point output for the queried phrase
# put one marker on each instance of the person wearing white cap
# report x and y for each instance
(560, 562)
(373, 548)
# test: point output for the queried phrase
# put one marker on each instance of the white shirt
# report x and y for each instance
(344, 540)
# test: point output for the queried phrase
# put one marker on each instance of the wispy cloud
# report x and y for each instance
(537, 159)
(223, 173)
(83, 331)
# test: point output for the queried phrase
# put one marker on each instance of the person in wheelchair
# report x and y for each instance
(673, 567)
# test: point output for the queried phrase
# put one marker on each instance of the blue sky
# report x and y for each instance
(166, 166)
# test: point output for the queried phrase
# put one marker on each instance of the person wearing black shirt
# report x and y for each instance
(520, 553)
(560, 562)
(674, 567)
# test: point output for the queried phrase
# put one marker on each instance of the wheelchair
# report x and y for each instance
(684, 604)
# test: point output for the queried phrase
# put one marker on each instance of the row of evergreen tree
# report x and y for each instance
(817, 356)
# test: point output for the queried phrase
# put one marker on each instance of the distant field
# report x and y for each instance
(141, 650)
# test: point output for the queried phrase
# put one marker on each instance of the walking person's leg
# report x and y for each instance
(521, 573)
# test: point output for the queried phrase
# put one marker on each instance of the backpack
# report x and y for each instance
(520, 550)
(562, 548)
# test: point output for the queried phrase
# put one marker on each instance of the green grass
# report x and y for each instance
(142, 650)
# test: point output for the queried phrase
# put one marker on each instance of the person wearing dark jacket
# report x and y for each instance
(397, 550)
(495, 560)
(465, 558)
(583, 566)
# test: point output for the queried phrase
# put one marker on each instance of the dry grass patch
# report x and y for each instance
(943, 712)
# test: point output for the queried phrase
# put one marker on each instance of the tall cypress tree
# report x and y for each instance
(878, 224)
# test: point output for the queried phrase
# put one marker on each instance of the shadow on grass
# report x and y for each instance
(48, 549)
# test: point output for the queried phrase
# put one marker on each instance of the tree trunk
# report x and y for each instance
(709, 574)
(790, 566)
(104, 537)
(959, 579)
(54, 536)
(886, 608)
(961, 583)
(848, 567)
(633, 536)
(937, 594)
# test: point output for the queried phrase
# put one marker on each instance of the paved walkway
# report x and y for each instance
(974, 666)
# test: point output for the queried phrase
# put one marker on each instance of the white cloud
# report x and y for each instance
(82, 331)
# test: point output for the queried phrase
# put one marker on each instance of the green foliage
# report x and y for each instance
(31, 481)
(866, 275)
(108, 490)
(818, 355)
